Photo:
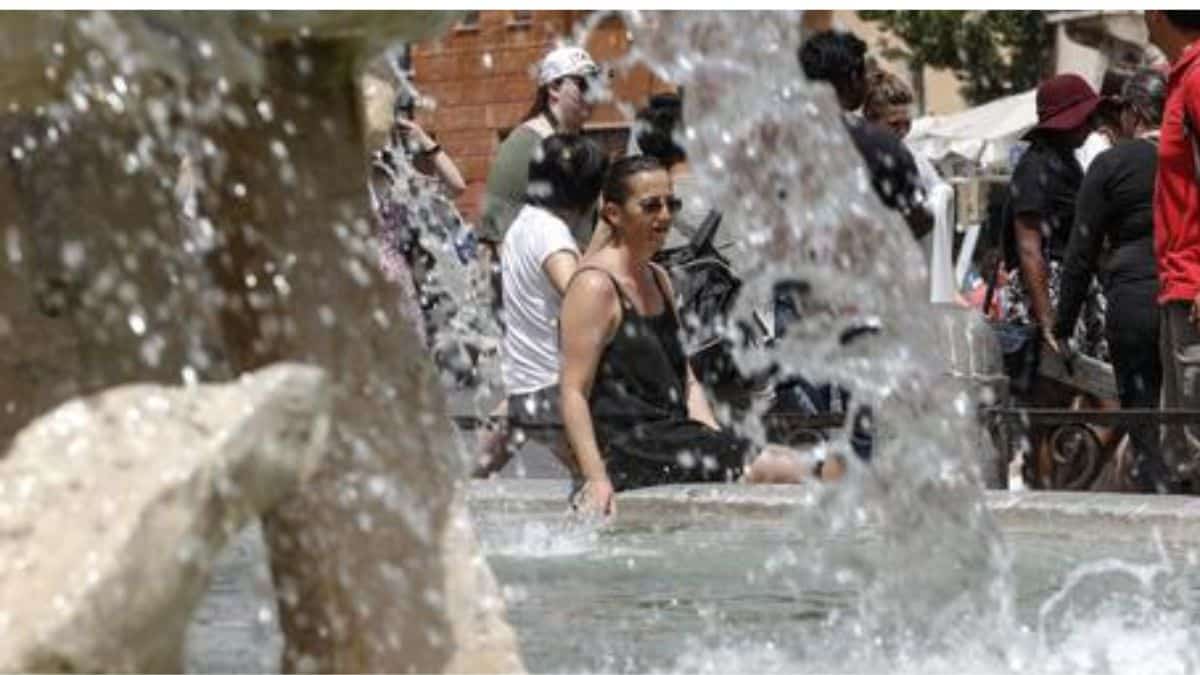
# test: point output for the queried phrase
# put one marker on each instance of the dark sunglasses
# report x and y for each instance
(581, 83)
(651, 205)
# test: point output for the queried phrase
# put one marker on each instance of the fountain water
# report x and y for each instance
(188, 201)
(902, 567)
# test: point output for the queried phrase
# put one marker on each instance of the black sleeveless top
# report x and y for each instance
(639, 405)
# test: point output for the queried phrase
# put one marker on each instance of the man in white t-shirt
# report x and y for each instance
(538, 257)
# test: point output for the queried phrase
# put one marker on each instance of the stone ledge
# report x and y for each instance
(1109, 515)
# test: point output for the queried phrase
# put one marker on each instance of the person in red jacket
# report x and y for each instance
(1177, 234)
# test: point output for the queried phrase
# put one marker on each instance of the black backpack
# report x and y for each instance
(705, 290)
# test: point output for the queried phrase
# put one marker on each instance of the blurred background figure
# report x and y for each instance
(1113, 240)
(425, 246)
(888, 104)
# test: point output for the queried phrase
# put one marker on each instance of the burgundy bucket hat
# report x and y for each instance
(1064, 102)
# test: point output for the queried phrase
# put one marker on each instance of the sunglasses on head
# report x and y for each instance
(652, 205)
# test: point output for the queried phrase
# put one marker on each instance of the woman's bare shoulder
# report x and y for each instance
(592, 281)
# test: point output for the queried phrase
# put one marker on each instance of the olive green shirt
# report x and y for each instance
(506, 183)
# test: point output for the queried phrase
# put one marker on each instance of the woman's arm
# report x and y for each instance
(1034, 270)
(1092, 212)
(697, 403)
(589, 317)
(437, 162)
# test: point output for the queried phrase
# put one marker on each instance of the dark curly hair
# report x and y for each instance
(566, 171)
(836, 57)
(656, 125)
(1145, 93)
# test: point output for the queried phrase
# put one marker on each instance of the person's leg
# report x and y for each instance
(780, 464)
(493, 451)
(1133, 343)
(1181, 363)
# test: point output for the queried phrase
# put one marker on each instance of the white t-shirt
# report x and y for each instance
(529, 356)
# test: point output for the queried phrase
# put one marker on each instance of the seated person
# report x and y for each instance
(538, 257)
(634, 412)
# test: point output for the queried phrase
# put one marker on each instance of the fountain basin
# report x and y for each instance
(713, 578)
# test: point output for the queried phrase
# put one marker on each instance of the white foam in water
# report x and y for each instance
(536, 538)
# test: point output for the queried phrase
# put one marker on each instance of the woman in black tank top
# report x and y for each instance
(634, 412)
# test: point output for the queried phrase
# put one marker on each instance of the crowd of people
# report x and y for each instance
(1102, 259)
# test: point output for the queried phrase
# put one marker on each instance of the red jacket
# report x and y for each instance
(1176, 190)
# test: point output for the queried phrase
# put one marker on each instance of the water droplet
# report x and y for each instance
(326, 315)
(58, 48)
(487, 60)
(152, 349)
(137, 324)
(279, 149)
(239, 190)
(188, 375)
(251, 281)
(205, 48)
(73, 254)
(17, 153)
(265, 111)
(115, 102)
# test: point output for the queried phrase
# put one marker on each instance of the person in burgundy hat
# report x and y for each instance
(1042, 195)
(1039, 215)
(1177, 233)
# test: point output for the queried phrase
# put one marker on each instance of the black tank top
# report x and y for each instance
(642, 372)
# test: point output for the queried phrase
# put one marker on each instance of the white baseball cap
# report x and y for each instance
(563, 62)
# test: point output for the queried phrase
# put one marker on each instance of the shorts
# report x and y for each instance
(536, 410)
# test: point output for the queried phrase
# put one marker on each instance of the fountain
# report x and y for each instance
(186, 203)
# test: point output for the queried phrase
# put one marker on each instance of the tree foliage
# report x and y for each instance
(994, 53)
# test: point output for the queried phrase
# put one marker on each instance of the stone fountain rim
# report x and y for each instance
(1081, 514)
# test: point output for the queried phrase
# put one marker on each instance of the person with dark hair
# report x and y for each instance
(1113, 216)
(538, 258)
(656, 134)
(567, 82)
(635, 415)
(1106, 119)
(1042, 198)
(1039, 217)
(838, 58)
(1177, 232)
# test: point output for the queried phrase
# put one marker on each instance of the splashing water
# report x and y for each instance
(775, 160)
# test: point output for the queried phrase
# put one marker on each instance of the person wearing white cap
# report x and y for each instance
(562, 105)
(564, 78)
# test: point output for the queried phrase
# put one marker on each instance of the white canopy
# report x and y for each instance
(983, 134)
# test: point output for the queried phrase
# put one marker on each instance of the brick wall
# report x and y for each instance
(482, 78)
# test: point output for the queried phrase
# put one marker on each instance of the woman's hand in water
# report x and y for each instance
(597, 497)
